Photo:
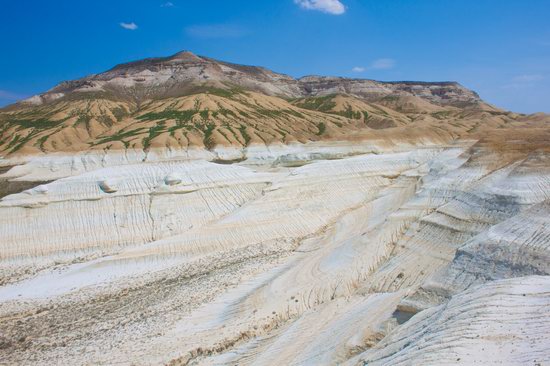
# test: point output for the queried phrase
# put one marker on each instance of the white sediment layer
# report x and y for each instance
(312, 254)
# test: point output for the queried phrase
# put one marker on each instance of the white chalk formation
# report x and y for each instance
(293, 255)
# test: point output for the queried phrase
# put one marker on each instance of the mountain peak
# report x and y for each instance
(184, 72)
(185, 56)
(185, 100)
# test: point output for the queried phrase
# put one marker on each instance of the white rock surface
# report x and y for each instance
(299, 255)
(501, 323)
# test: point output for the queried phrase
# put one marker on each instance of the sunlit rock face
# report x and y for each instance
(501, 322)
(188, 211)
(316, 254)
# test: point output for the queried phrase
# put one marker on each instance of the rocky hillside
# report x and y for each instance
(179, 223)
(186, 101)
(185, 73)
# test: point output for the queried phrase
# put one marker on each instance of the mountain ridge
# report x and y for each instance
(185, 60)
(185, 100)
(195, 212)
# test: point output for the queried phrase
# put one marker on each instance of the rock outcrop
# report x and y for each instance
(186, 101)
(341, 222)
(178, 74)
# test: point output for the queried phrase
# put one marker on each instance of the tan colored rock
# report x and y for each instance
(240, 216)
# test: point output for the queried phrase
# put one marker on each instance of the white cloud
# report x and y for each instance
(129, 26)
(524, 81)
(215, 31)
(528, 78)
(383, 64)
(167, 4)
(380, 64)
(326, 6)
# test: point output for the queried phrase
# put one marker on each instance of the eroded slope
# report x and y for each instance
(306, 254)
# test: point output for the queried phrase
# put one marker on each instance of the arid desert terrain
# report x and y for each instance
(189, 211)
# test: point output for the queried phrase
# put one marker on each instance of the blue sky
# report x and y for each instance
(500, 48)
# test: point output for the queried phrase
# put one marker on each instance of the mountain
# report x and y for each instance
(186, 101)
(188, 211)
(185, 73)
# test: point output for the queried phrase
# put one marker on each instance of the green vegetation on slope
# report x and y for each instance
(321, 104)
(322, 128)
(183, 115)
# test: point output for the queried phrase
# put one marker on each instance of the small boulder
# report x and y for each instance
(43, 189)
(172, 180)
(107, 187)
